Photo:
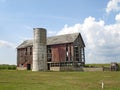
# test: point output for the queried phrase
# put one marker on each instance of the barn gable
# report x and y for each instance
(79, 41)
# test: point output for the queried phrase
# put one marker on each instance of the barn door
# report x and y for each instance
(48, 66)
(28, 66)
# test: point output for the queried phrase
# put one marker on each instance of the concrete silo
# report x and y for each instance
(39, 50)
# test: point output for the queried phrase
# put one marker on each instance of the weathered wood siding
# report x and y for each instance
(79, 41)
(79, 55)
(24, 56)
(60, 52)
(55, 53)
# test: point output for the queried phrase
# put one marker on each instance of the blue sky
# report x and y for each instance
(98, 22)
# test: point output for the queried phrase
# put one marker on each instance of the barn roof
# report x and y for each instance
(26, 43)
(60, 39)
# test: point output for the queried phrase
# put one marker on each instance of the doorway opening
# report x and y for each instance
(48, 66)
(28, 66)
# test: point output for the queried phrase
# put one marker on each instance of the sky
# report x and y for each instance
(98, 21)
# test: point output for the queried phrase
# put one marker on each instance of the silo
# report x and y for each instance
(39, 50)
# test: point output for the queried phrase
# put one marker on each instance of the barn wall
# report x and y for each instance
(24, 57)
(59, 52)
(79, 55)
(79, 42)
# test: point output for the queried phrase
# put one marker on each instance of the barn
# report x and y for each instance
(64, 52)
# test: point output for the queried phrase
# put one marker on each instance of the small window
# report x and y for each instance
(48, 49)
(66, 52)
(49, 60)
(66, 47)
(30, 50)
(25, 51)
(67, 58)
(76, 48)
(77, 59)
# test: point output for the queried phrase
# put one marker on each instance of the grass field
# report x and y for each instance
(28, 80)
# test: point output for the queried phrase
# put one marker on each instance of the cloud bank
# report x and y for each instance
(113, 5)
(102, 41)
(117, 18)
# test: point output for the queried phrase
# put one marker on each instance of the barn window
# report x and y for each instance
(48, 49)
(25, 51)
(49, 54)
(76, 53)
(82, 54)
(49, 59)
(66, 52)
(30, 50)
(66, 58)
(76, 49)
(66, 47)
(70, 54)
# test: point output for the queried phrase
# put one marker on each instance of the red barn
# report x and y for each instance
(64, 52)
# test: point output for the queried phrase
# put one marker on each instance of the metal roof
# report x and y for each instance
(60, 39)
(26, 43)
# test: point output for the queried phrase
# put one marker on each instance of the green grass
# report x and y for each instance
(7, 67)
(28, 80)
(99, 65)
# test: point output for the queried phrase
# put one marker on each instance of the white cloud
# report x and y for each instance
(117, 18)
(6, 44)
(72, 29)
(102, 41)
(113, 5)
